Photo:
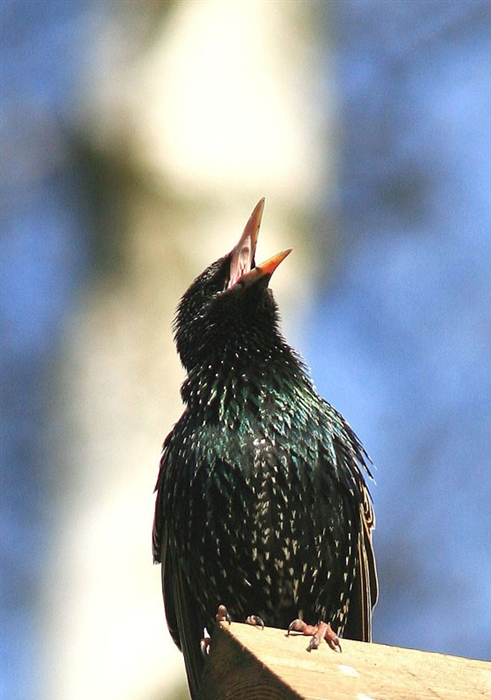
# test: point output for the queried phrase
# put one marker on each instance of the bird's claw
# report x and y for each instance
(223, 615)
(318, 632)
(205, 643)
(255, 621)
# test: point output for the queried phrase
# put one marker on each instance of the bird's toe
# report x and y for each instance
(318, 632)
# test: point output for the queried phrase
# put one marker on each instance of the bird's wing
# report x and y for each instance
(182, 617)
(364, 593)
(183, 621)
(352, 467)
(160, 545)
(159, 531)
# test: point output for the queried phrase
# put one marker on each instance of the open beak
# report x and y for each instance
(265, 268)
(242, 263)
(243, 254)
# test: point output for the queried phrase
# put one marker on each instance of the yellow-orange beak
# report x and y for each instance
(243, 254)
(265, 268)
(242, 264)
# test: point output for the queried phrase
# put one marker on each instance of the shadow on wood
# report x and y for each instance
(247, 663)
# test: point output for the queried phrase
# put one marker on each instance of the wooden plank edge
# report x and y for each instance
(247, 663)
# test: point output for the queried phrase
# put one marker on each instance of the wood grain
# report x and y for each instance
(246, 663)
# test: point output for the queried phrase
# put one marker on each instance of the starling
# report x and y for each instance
(262, 504)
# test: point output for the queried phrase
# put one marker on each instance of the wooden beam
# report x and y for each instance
(247, 663)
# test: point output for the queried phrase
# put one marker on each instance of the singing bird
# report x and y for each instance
(262, 504)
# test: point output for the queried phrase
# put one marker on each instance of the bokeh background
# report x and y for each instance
(136, 138)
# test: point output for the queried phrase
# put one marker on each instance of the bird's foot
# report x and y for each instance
(255, 621)
(318, 632)
(223, 614)
(205, 643)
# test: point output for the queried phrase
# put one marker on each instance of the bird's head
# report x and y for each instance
(229, 306)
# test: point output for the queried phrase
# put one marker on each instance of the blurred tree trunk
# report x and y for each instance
(189, 117)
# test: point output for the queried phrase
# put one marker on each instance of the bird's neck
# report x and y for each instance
(239, 379)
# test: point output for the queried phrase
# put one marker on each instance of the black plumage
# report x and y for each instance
(262, 503)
